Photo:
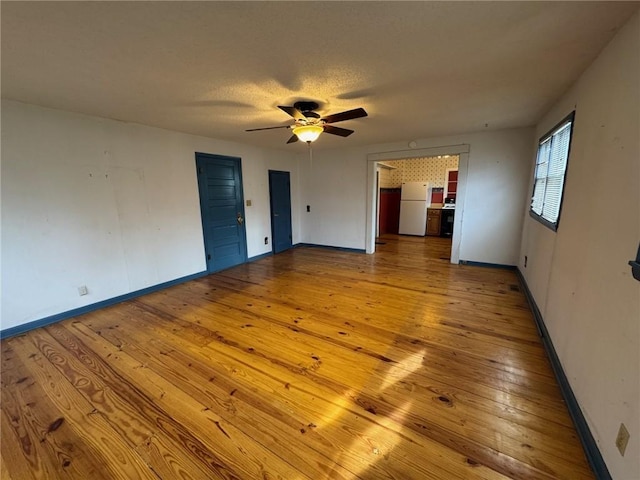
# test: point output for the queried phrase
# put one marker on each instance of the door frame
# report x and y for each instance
(377, 200)
(273, 237)
(238, 162)
(462, 151)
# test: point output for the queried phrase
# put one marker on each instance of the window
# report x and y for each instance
(551, 166)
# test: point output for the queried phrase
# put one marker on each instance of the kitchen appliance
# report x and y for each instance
(415, 198)
(446, 222)
(449, 203)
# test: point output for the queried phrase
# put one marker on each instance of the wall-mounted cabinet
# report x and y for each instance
(388, 167)
(451, 184)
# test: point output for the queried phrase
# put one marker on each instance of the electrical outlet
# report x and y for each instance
(248, 203)
(266, 240)
(83, 290)
(622, 439)
(308, 208)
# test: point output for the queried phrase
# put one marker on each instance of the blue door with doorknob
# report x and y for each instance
(222, 210)
(280, 195)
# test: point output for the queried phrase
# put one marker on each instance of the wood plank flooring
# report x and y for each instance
(312, 364)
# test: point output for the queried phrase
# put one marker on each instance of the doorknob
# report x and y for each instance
(239, 218)
(276, 214)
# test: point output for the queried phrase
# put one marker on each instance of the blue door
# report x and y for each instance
(222, 209)
(280, 193)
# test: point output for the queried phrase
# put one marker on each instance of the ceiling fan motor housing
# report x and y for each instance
(307, 108)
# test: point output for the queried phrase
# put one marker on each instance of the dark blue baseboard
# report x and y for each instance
(260, 257)
(342, 249)
(594, 457)
(25, 327)
(487, 265)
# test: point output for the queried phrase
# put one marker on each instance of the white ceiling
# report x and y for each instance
(420, 69)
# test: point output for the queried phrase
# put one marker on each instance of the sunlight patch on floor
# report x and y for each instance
(377, 442)
(403, 369)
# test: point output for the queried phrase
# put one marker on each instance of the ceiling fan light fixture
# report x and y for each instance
(309, 125)
(308, 133)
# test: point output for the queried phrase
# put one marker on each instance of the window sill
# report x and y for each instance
(544, 221)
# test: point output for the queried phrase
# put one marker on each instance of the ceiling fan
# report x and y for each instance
(309, 125)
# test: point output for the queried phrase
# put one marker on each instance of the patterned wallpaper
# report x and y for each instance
(385, 177)
(429, 169)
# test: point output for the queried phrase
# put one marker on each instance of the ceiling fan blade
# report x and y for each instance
(348, 115)
(266, 128)
(293, 139)
(343, 132)
(294, 112)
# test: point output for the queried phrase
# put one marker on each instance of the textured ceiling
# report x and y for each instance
(217, 68)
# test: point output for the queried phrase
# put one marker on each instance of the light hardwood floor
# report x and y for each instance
(312, 364)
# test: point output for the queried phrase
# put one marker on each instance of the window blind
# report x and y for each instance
(551, 166)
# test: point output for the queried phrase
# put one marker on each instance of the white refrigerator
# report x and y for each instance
(414, 200)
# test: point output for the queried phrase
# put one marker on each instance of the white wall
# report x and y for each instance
(110, 205)
(498, 174)
(579, 275)
(334, 184)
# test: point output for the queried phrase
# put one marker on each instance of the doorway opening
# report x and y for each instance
(417, 197)
(436, 177)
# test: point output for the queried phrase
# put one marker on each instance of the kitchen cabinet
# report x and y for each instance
(434, 216)
(451, 184)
